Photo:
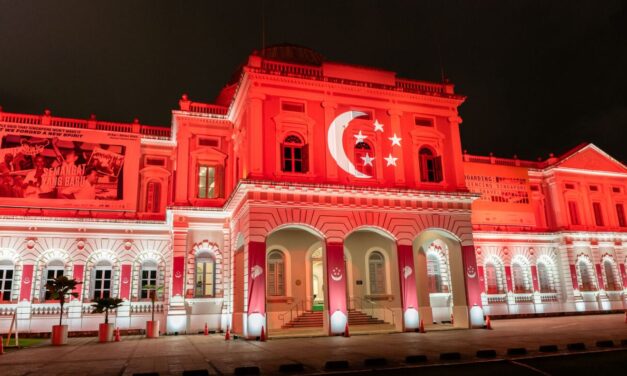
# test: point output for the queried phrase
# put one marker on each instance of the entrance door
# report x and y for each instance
(317, 281)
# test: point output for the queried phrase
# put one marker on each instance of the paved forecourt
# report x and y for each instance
(174, 354)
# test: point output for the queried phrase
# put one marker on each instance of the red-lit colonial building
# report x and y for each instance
(309, 196)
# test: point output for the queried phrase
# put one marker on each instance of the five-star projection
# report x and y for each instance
(395, 140)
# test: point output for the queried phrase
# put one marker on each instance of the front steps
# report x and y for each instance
(314, 319)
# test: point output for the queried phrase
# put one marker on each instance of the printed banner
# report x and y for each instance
(599, 276)
(408, 277)
(624, 274)
(125, 286)
(78, 276)
(534, 277)
(178, 272)
(473, 287)
(257, 278)
(71, 168)
(508, 278)
(336, 282)
(27, 283)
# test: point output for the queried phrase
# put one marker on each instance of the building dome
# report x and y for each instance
(291, 53)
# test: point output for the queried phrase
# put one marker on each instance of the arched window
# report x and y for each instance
(430, 166)
(364, 158)
(148, 281)
(586, 275)
(376, 270)
(153, 197)
(205, 275)
(521, 278)
(434, 273)
(611, 281)
(294, 155)
(6, 280)
(102, 280)
(494, 278)
(53, 270)
(276, 273)
(545, 278)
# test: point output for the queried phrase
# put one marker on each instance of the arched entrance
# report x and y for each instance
(373, 291)
(440, 279)
(295, 288)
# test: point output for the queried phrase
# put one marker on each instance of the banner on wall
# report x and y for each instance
(336, 282)
(473, 287)
(408, 286)
(76, 168)
(256, 289)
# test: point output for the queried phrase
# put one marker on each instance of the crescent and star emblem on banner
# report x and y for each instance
(335, 144)
(471, 272)
(336, 274)
(407, 271)
(256, 271)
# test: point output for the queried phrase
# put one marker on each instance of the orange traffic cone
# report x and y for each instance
(346, 332)
(452, 319)
(1, 345)
(206, 329)
(488, 325)
(117, 334)
(421, 329)
(262, 338)
(227, 336)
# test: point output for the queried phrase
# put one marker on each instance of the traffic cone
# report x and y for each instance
(206, 329)
(262, 337)
(421, 329)
(117, 334)
(452, 319)
(227, 336)
(1, 345)
(346, 332)
(488, 325)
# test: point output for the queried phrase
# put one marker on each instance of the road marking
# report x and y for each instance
(534, 369)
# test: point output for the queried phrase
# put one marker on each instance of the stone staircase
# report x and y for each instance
(314, 319)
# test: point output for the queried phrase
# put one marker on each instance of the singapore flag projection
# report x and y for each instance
(334, 141)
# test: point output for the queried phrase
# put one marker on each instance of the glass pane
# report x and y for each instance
(297, 153)
(287, 153)
(298, 166)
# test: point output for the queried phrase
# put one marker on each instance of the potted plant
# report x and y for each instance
(104, 305)
(60, 288)
(152, 326)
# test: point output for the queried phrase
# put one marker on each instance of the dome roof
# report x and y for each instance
(291, 53)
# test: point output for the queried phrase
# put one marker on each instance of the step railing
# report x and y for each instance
(293, 312)
(364, 304)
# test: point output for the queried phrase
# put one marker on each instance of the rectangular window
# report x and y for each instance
(293, 106)
(598, 214)
(210, 142)
(209, 181)
(620, 213)
(102, 283)
(574, 214)
(51, 274)
(423, 122)
(149, 278)
(570, 186)
(6, 284)
(616, 189)
(155, 161)
(594, 188)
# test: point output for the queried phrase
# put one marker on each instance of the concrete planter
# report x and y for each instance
(59, 335)
(152, 329)
(105, 333)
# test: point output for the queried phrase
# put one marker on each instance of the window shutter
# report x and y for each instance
(424, 171)
(282, 152)
(219, 188)
(305, 155)
(437, 168)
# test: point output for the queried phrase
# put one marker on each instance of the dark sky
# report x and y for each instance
(540, 76)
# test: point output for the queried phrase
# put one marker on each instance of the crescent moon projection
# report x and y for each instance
(336, 147)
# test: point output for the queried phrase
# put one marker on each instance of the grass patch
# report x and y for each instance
(25, 342)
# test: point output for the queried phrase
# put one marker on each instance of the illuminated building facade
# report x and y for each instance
(309, 196)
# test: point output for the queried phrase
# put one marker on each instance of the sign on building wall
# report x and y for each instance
(505, 194)
(44, 166)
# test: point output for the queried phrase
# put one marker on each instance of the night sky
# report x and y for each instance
(540, 76)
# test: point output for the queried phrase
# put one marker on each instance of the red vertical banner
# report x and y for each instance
(336, 285)
(125, 282)
(178, 275)
(473, 287)
(78, 276)
(624, 274)
(409, 295)
(256, 288)
(481, 277)
(534, 277)
(27, 283)
(508, 278)
(599, 276)
(573, 277)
